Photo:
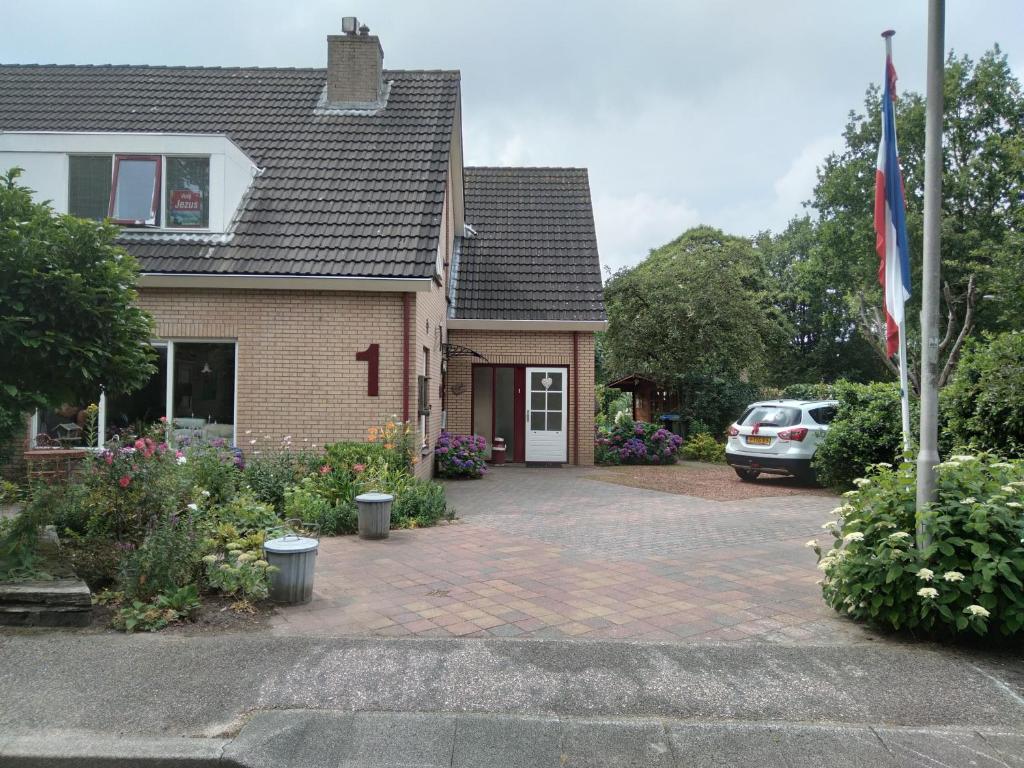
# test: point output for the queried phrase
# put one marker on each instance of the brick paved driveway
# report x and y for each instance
(551, 553)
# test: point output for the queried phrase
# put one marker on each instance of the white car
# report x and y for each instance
(778, 437)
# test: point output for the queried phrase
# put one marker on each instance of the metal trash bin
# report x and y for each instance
(498, 451)
(295, 558)
(374, 515)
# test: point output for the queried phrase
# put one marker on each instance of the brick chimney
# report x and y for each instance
(355, 67)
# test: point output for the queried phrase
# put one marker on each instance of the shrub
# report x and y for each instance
(245, 514)
(268, 476)
(983, 405)
(460, 455)
(420, 504)
(345, 457)
(970, 575)
(213, 467)
(703, 447)
(240, 572)
(97, 560)
(167, 560)
(166, 608)
(866, 430)
(810, 391)
(307, 502)
(636, 442)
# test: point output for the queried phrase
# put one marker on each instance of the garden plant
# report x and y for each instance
(966, 579)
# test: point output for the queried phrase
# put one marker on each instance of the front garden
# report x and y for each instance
(153, 529)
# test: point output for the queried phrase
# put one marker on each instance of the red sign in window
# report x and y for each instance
(186, 208)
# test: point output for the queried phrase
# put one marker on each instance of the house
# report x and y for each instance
(315, 255)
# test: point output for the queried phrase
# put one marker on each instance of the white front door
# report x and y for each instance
(547, 435)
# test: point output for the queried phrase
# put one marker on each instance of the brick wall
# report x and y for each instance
(354, 68)
(297, 372)
(526, 348)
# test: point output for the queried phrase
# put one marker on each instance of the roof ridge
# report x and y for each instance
(510, 168)
(203, 68)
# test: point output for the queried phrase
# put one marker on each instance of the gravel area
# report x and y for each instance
(716, 482)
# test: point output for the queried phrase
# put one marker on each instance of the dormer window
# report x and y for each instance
(135, 197)
(152, 191)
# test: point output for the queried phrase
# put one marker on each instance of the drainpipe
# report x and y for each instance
(406, 351)
(576, 397)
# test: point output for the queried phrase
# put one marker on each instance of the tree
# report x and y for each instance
(824, 344)
(983, 198)
(69, 324)
(694, 316)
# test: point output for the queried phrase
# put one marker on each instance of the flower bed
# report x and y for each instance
(969, 576)
(460, 455)
(157, 526)
(636, 442)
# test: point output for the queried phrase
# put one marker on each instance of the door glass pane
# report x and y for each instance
(535, 380)
(136, 183)
(89, 185)
(204, 391)
(554, 421)
(483, 413)
(556, 381)
(504, 408)
(537, 420)
(188, 191)
(129, 415)
(537, 401)
(554, 401)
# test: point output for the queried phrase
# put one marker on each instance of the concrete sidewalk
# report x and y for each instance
(261, 700)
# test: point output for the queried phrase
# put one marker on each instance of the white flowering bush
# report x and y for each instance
(970, 578)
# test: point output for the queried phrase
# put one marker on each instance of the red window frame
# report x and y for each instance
(157, 186)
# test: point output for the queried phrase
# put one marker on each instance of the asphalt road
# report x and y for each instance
(265, 700)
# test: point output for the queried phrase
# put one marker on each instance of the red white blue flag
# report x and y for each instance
(891, 218)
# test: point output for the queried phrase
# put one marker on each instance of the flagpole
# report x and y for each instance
(904, 388)
(928, 454)
(904, 366)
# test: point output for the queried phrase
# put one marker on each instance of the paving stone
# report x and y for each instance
(540, 553)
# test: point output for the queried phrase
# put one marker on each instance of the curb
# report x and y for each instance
(89, 750)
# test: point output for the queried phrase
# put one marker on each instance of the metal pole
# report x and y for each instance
(904, 389)
(928, 455)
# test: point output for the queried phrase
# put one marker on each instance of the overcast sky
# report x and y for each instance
(685, 112)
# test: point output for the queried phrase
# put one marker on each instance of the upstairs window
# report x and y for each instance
(89, 185)
(135, 198)
(171, 192)
(188, 192)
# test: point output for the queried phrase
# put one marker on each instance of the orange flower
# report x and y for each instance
(390, 425)
(389, 446)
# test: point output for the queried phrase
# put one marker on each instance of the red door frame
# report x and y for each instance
(518, 402)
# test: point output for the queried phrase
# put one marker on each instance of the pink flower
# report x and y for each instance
(109, 458)
(125, 481)
(357, 468)
(163, 419)
(326, 468)
(140, 444)
(179, 455)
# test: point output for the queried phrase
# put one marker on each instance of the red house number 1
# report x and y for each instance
(371, 356)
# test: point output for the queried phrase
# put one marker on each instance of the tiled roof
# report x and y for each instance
(534, 254)
(352, 195)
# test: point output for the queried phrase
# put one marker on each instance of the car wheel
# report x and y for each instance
(747, 475)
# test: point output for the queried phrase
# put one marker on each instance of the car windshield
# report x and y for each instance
(771, 416)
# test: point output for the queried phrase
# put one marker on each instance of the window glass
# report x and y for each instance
(204, 391)
(772, 416)
(823, 415)
(72, 425)
(135, 196)
(483, 411)
(504, 409)
(188, 192)
(89, 185)
(128, 416)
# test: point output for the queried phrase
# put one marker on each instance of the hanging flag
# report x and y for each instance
(890, 217)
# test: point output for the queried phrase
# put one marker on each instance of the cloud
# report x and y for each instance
(629, 226)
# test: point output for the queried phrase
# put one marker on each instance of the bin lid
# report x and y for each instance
(374, 496)
(291, 543)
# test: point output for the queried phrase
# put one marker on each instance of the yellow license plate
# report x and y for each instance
(758, 440)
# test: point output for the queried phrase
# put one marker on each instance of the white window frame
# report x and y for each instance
(101, 421)
(162, 212)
